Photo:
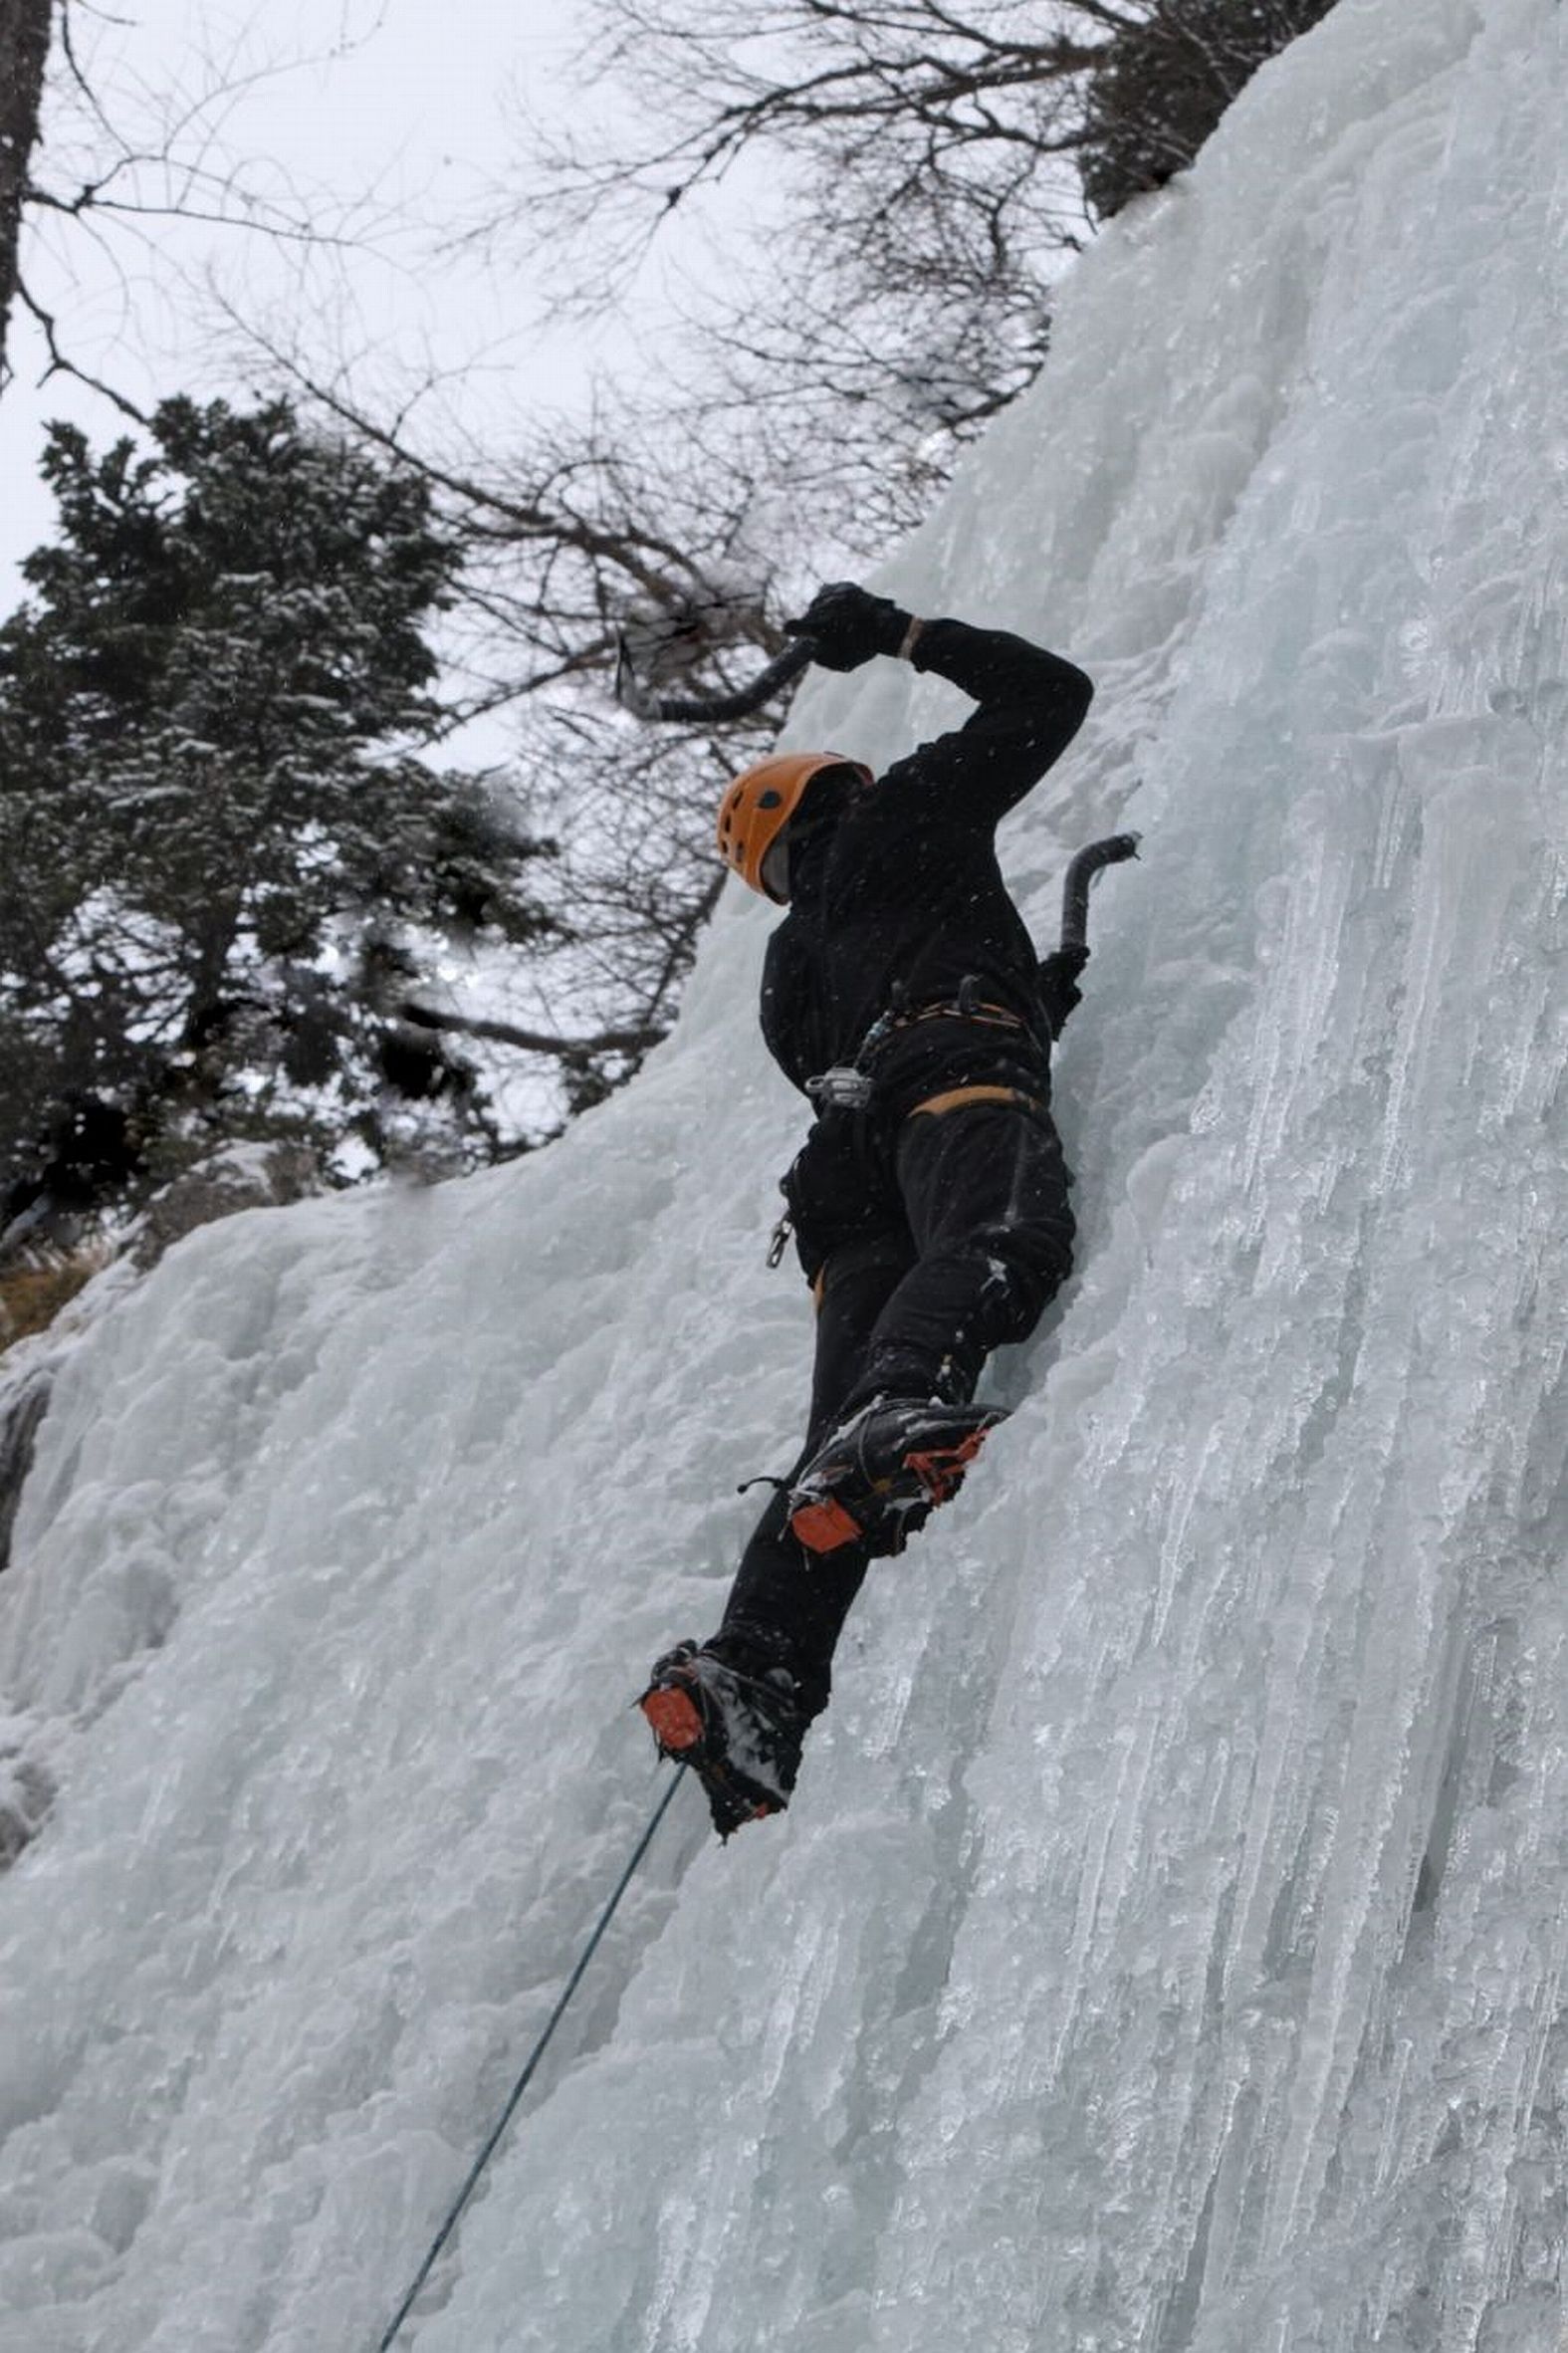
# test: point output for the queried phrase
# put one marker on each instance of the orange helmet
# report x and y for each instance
(761, 800)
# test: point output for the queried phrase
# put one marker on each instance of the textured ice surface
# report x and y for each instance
(1163, 1953)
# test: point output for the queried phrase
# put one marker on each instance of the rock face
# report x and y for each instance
(22, 1405)
(247, 1176)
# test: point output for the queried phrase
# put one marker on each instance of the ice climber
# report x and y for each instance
(903, 996)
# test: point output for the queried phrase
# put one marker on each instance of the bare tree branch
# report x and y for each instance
(120, 161)
(636, 1040)
(59, 364)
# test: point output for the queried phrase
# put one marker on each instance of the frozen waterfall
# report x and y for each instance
(1164, 1951)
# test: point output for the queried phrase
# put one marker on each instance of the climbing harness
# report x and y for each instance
(534, 2057)
(850, 1086)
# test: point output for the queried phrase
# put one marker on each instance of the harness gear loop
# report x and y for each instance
(966, 1007)
(850, 1086)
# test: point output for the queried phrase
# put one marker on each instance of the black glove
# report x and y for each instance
(1060, 989)
(847, 626)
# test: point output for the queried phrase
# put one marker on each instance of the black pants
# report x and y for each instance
(959, 1235)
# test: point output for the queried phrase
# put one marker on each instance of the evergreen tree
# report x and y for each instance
(221, 863)
(1162, 85)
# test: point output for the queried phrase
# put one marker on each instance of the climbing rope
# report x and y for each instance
(534, 2057)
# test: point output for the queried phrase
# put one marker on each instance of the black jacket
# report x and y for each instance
(902, 900)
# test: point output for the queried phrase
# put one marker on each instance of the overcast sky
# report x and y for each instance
(401, 129)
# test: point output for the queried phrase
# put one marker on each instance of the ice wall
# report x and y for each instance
(1163, 1953)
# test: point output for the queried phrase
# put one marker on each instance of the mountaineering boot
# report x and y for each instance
(884, 1471)
(739, 1732)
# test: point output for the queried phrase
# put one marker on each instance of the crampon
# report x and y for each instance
(739, 1733)
(881, 1475)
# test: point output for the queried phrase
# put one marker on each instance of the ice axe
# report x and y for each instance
(640, 699)
(1080, 874)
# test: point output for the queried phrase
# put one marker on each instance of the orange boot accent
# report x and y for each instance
(674, 1716)
(823, 1527)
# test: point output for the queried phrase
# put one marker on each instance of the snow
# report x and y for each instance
(1163, 1953)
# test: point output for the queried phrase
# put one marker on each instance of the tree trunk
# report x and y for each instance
(24, 49)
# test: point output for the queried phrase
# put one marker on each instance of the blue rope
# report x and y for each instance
(534, 2057)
